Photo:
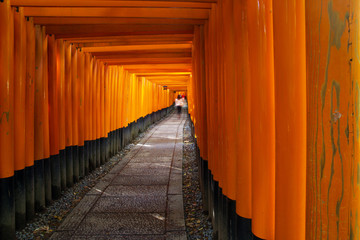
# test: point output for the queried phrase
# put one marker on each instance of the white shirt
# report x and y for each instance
(178, 102)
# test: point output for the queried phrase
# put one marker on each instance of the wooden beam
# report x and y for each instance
(129, 61)
(92, 3)
(156, 71)
(174, 77)
(111, 20)
(131, 39)
(146, 53)
(144, 74)
(79, 31)
(180, 88)
(167, 78)
(135, 54)
(169, 84)
(125, 48)
(122, 43)
(125, 12)
(180, 79)
(157, 66)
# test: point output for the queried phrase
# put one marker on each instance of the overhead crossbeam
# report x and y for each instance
(129, 61)
(152, 39)
(157, 66)
(144, 74)
(92, 3)
(168, 78)
(132, 39)
(124, 48)
(156, 71)
(78, 31)
(124, 12)
(116, 43)
(135, 55)
(112, 20)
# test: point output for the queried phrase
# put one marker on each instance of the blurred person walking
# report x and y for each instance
(178, 104)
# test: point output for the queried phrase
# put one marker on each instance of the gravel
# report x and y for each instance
(44, 223)
(197, 224)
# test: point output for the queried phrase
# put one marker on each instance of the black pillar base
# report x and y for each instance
(92, 150)
(215, 217)
(107, 142)
(76, 163)
(98, 154)
(137, 128)
(141, 125)
(118, 139)
(7, 208)
(122, 138)
(69, 167)
(205, 172)
(112, 143)
(47, 179)
(55, 176)
(86, 157)
(125, 136)
(232, 219)
(243, 229)
(30, 192)
(62, 160)
(224, 219)
(131, 137)
(81, 161)
(211, 198)
(39, 185)
(20, 199)
(102, 151)
(257, 238)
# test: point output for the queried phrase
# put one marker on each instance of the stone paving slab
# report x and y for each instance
(131, 204)
(63, 235)
(146, 171)
(175, 185)
(99, 188)
(155, 153)
(151, 159)
(127, 180)
(141, 197)
(161, 165)
(181, 235)
(150, 190)
(175, 213)
(122, 223)
(78, 213)
(162, 141)
(165, 135)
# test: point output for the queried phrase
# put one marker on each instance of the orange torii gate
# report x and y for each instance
(272, 90)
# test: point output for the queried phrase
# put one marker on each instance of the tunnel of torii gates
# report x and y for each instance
(273, 93)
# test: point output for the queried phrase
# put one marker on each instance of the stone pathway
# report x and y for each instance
(141, 197)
